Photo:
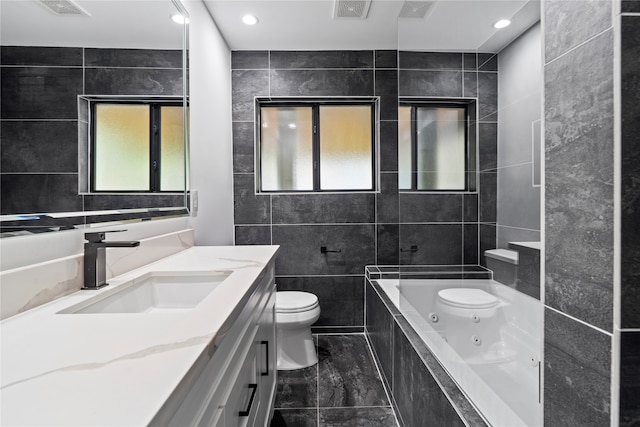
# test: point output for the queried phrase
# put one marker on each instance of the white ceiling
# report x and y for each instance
(309, 25)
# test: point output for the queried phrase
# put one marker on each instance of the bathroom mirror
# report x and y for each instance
(58, 59)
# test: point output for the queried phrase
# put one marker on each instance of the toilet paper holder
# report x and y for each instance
(324, 250)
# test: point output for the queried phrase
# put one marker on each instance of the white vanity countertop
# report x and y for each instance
(116, 369)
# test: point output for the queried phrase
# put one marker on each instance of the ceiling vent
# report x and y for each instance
(357, 9)
(63, 7)
(415, 9)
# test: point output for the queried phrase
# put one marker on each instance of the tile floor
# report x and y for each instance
(343, 389)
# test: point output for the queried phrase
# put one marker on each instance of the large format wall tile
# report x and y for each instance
(245, 84)
(629, 379)
(249, 208)
(26, 193)
(379, 324)
(561, 34)
(488, 196)
(417, 208)
(154, 58)
(132, 81)
(488, 97)
(518, 200)
(300, 248)
(341, 298)
(321, 82)
(430, 60)
(630, 172)
(297, 388)
(323, 208)
(470, 244)
(39, 146)
(386, 87)
(488, 150)
(516, 121)
(579, 182)
(386, 59)
(430, 83)
(389, 146)
(243, 152)
(577, 361)
(322, 59)
(388, 251)
(249, 59)
(438, 244)
(40, 92)
(387, 200)
(253, 234)
(27, 55)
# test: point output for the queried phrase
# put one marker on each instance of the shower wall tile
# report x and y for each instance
(417, 208)
(245, 84)
(388, 236)
(248, 207)
(577, 363)
(249, 59)
(379, 323)
(470, 84)
(579, 182)
(470, 61)
(630, 6)
(300, 249)
(24, 96)
(430, 60)
(470, 202)
(323, 208)
(487, 240)
(488, 196)
(386, 86)
(516, 121)
(430, 83)
(131, 58)
(510, 234)
(471, 242)
(528, 272)
(252, 234)
(26, 193)
(321, 82)
(386, 59)
(438, 244)
(488, 150)
(131, 81)
(594, 17)
(518, 200)
(321, 59)
(243, 152)
(629, 378)
(389, 146)
(487, 62)
(488, 96)
(387, 200)
(341, 298)
(630, 232)
(39, 146)
(37, 56)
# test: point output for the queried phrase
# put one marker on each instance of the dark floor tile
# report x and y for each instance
(357, 417)
(297, 388)
(347, 374)
(295, 418)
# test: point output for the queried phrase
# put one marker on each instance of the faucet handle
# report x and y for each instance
(98, 236)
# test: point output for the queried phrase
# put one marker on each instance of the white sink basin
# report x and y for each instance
(153, 292)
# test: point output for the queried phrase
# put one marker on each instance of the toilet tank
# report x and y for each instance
(504, 264)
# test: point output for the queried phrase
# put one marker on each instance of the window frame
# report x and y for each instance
(414, 104)
(155, 143)
(314, 104)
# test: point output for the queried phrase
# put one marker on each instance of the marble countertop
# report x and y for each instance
(116, 369)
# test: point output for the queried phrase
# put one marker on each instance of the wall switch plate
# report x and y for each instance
(194, 203)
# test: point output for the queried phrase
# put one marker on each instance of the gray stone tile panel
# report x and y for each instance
(249, 208)
(323, 208)
(31, 55)
(245, 84)
(24, 193)
(518, 200)
(488, 97)
(386, 59)
(429, 207)
(295, 417)
(252, 234)
(629, 378)
(156, 58)
(243, 147)
(355, 417)
(388, 250)
(430, 60)
(386, 87)
(438, 244)
(488, 147)
(389, 146)
(322, 59)
(379, 323)
(132, 81)
(322, 82)
(430, 83)
(297, 388)
(387, 199)
(249, 59)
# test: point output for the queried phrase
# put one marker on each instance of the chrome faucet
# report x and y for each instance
(95, 263)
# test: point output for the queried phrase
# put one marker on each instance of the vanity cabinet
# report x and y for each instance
(237, 386)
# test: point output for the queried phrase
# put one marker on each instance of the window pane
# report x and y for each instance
(286, 144)
(121, 157)
(441, 148)
(171, 149)
(346, 155)
(404, 148)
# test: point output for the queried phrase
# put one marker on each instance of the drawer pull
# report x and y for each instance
(266, 343)
(254, 388)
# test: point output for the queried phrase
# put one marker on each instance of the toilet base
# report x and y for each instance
(296, 349)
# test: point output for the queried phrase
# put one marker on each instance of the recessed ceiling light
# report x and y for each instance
(249, 19)
(179, 19)
(502, 23)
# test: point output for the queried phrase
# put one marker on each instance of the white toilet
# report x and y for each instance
(460, 302)
(295, 313)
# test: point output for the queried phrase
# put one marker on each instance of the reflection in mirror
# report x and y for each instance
(54, 66)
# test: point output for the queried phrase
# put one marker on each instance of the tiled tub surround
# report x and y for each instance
(40, 123)
(124, 369)
(490, 358)
(343, 389)
(26, 287)
(366, 226)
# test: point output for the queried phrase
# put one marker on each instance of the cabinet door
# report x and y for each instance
(244, 401)
(267, 360)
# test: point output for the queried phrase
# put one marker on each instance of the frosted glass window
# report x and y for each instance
(172, 174)
(346, 152)
(286, 156)
(432, 148)
(121, 148)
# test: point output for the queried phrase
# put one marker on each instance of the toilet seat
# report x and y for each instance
(467, 298)
(295, 301)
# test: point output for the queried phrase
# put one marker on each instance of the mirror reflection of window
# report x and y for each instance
(433, 147)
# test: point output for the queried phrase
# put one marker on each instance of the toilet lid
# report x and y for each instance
(290, 301)
(467, 297)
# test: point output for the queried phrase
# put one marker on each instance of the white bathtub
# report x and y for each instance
(493, 355)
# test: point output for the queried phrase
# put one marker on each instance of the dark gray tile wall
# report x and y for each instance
(630, 172)
(579, 213)
(39, 119)
(366, 228)
(630, 379)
